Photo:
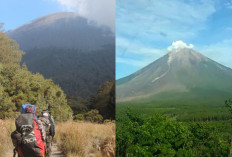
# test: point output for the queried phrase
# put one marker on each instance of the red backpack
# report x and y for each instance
(27, 137)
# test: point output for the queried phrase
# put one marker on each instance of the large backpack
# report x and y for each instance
(52, 129)
(27, 137)
(47, 124)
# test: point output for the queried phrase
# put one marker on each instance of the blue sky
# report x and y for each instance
(14, 13)
(146, 28)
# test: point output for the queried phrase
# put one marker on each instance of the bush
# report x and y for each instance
(79, 117)
(93, 116)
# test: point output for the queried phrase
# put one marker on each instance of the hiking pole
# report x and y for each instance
(52, 140)
(14, 151)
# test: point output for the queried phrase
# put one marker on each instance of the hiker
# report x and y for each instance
(49, 124)
(29, 136)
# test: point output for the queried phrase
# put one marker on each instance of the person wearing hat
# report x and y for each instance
(45, 118)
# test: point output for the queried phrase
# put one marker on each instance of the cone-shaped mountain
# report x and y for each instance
(182, 74)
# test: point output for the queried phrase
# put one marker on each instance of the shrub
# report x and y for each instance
(93, 116)
(79, 117)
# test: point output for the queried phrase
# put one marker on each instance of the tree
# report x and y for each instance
(104, 100)
(9, 52)
(19, 86)
(229, 106)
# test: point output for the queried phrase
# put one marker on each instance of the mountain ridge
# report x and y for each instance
(62, 30)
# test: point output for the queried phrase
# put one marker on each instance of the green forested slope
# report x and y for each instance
(79, 73)
(19, 86)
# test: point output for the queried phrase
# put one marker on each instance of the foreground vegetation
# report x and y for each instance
(6, 146)
(73, 138)
(82, 138)
(149, 129)
(158, 135)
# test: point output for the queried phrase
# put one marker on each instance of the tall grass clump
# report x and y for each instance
(6, 146)
(82, 138)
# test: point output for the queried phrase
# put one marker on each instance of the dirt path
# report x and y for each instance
(55, 152)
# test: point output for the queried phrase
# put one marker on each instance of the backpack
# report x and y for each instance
(27, 137)
(25, 105)
(52, 123)
(47, 124)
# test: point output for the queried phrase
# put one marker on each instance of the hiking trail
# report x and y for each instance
(56, 152)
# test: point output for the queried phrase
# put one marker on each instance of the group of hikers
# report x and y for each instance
(33, 135)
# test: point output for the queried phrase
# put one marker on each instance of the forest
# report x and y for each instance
(151, 131)
(78, 72)
(158, 135)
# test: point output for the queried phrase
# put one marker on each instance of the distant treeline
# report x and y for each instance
(103, 102)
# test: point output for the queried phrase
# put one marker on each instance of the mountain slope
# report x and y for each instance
(77, 54)
(182, 74)
(78, 73)
(61, 30)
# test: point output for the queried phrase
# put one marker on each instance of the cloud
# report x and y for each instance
(136, 53)
(179, 45)
(146, 27)
(100, 11)
(228, 4)
(176, 18)
(133, 62)
(126, 47)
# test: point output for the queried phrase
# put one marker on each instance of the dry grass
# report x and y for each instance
(6, 146)
(82, 139)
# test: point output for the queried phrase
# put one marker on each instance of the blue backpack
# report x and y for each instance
(23, 109)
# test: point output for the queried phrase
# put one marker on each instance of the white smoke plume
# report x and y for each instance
(100, 11)
(179, 45)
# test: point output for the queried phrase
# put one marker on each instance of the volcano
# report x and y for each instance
(182, 74)
(62, 30)
(77, 54)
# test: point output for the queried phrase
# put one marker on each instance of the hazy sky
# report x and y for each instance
(146, 28)
(15, 13)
